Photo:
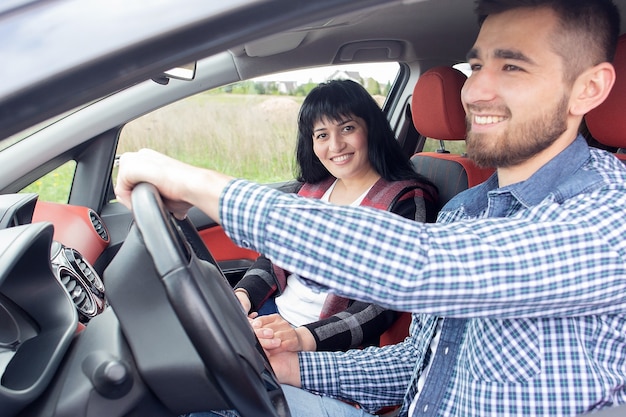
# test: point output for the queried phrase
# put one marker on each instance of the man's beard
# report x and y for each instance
(518, 143)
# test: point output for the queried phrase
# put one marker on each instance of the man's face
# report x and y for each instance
(516, 99)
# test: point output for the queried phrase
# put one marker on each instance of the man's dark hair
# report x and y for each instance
(589, 28)
(336, 100)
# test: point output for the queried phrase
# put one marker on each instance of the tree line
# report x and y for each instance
(274, 88)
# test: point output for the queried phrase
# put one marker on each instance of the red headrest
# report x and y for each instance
(436, 104)
(607, 122)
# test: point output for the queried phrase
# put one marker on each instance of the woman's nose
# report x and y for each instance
(336, 143)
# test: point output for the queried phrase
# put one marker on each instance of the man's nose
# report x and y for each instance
(479, 87)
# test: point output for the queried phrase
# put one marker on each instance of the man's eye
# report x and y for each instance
(475, 67)
(509, 67)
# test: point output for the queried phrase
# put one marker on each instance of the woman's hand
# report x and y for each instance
(283, 336)
(244, 299)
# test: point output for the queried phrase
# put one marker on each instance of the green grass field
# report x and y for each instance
(247, 136)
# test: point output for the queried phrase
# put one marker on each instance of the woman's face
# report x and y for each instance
(341, 146)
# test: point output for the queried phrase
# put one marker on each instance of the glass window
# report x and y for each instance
(248, 129)
(55, 186)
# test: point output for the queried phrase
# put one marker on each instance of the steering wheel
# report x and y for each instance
(207, 309)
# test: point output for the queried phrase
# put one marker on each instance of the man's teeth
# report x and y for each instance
(485, 120)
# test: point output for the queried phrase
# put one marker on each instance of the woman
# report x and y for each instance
(346, 154)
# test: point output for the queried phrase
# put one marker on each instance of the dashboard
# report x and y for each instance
(64, 349)
(79, 239)
(48, 290)
(37, 318)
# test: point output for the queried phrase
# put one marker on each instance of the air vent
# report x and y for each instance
(77, 292)
(85, 270)
(80, 280)
(96, 221)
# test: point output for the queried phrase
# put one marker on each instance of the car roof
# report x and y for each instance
(59, 54)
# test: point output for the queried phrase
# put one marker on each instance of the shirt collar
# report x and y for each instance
(552, 175)
(548, 179)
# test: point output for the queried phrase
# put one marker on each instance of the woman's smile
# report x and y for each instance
(341, 159)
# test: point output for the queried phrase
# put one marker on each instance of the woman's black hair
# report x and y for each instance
(335, 100)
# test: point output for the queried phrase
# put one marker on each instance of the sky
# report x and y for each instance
(381, 72)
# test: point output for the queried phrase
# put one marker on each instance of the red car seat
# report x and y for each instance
(439, 114)
(607, 123)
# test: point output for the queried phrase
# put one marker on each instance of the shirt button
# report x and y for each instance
(246, 244)
(445, 352)
(426, 408)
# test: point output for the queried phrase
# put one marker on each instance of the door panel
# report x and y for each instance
(233, 260)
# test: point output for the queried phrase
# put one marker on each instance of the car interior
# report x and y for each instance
(106, 312)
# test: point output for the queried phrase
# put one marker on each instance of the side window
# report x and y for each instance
(245, 135)
(55, 186)
(248, 129)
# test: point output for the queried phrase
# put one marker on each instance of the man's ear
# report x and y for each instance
(591, 88)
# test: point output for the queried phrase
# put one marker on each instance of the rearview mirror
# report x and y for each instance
(184, 72)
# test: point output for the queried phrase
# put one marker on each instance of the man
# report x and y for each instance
(519, 291)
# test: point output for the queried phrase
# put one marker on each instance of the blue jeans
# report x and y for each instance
(303, 404)
(268, 307)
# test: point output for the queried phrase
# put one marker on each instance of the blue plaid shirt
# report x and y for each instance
(539, 267)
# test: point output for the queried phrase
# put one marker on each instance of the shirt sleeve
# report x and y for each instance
(372, 377)
(414, 206)
(259, 282)
(467, 268)
(361, 324)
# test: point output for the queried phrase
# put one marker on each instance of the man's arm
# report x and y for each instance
(533, 265)
(181, 185)
(527, 266)
(372, 377)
